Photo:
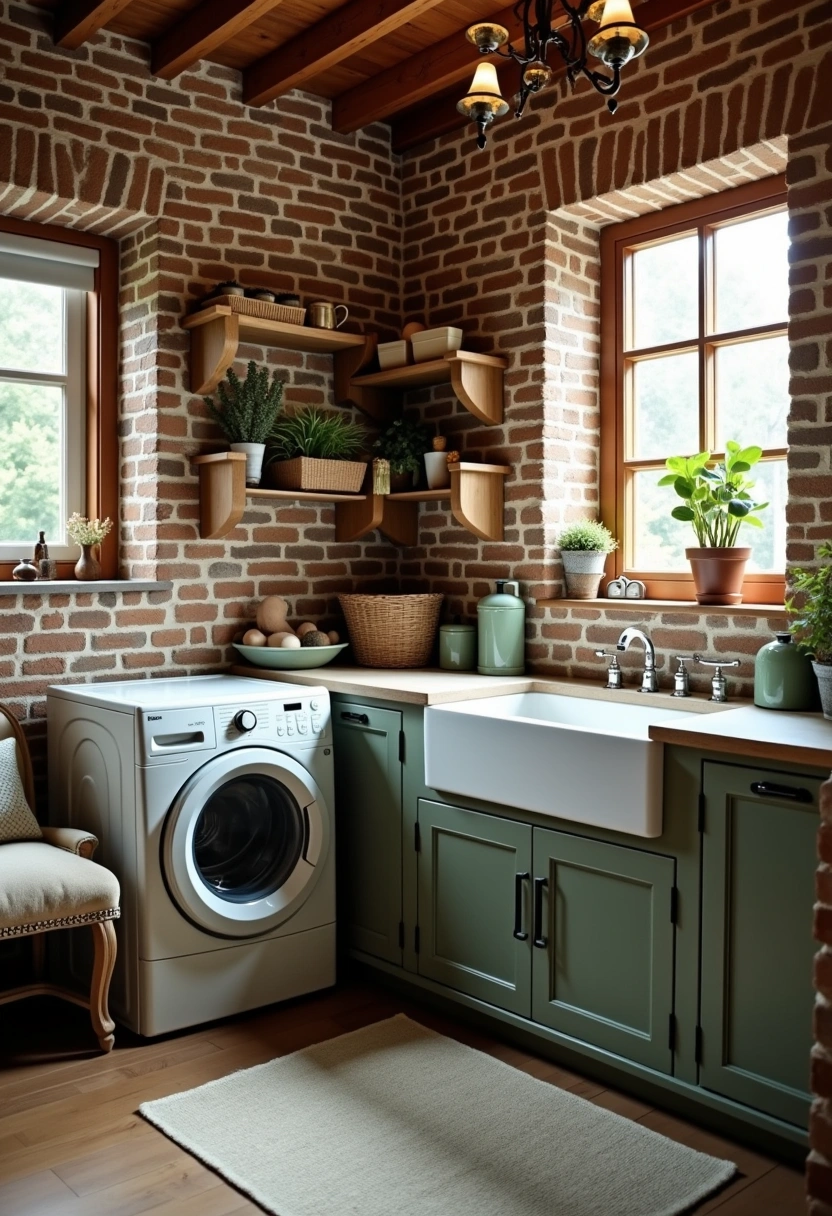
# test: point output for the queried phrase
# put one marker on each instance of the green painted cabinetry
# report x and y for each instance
(603, 966)
(758, 878)
(368, 784)
(474, 875)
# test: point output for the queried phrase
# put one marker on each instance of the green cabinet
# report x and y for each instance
(603, 963)
(473, 885)
(758, 876)
(368, 799)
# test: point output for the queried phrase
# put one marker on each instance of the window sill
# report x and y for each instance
(62, 586)
(642, 607)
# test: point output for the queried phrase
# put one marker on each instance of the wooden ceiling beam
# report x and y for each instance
(440, 114)
(417, 78)
(342, 33)
(78, 20)
(205, 28)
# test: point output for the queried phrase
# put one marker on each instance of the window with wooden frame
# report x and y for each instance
(695, 353)
(58, 386)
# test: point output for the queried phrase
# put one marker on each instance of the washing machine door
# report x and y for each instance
(244, 843)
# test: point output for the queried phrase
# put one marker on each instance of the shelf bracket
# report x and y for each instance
(379, 404)
(222, 493)
(479, 387)
(354, 520)
(213, 350)
(478, 499)
(400, 522)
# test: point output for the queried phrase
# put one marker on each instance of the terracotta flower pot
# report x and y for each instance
(718, 574)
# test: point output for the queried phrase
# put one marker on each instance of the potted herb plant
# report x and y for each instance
(813, 623)
(312, 449)
(403, 444)
(247, 412)
(584, 546)
(716, 501)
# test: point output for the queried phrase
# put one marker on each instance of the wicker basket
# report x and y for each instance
(310, 473)
(260, 308)
(391, 630)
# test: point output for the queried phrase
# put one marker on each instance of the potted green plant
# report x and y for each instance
(313, 449)
(584, 546)
(813, 623)
(247, 412)
(716, 501)
(403, 444)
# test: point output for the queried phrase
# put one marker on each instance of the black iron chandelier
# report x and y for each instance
(617, 41)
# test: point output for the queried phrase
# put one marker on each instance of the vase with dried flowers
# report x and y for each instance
(88, 533)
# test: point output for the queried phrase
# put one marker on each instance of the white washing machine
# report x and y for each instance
(213, 798)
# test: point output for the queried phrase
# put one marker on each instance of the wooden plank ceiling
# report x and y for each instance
(405, 62)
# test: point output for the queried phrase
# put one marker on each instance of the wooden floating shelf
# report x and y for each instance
(477, 381)
(216, 333)
(476, 495)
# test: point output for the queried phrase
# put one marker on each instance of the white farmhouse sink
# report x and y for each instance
(589, 761)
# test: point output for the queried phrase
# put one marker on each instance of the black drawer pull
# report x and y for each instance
(537, 928)
(361, 719)
(519, 879)
(769, 789)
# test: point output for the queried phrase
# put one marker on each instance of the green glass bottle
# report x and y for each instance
(783, 677)
(502, 632)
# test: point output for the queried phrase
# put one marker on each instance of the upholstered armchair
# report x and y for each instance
(49, 881)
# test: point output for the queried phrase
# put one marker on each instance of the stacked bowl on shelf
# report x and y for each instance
(422, 344)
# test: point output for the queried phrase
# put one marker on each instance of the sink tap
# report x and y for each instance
(649, 679)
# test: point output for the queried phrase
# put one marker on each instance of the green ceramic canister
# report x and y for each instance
(783, 677)
(502, 632)
(457, 647)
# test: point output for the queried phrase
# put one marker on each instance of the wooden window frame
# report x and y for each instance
(102, 337)
(617, 240)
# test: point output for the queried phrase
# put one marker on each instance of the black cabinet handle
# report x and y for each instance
(769, 789)
(361, 719)
(519, 879)
(537, 928)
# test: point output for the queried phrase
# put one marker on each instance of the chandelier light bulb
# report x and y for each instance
(537, 75)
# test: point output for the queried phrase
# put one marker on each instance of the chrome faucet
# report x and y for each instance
(649, 679)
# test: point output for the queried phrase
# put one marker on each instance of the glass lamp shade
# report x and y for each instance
(619, 39)
(487, 37)
(484, 94)
(537, 75)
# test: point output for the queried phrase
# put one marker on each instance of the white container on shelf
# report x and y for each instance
(434, 343)
(393, 354)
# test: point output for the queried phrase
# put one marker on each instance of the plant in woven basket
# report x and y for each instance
(315, 433)
(403, 444)
(247, 408)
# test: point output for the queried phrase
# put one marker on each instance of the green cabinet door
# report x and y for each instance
(368, 808)
(758, 881)
(474, 904)
(602, 968)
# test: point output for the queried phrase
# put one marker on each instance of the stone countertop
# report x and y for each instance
(763, 734)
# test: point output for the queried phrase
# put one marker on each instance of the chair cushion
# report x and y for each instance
(16, 819)
(46, 888)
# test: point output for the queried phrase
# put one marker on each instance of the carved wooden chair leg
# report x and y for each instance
(38, 956)
(104, 939)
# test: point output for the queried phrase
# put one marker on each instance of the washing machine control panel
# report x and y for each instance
(302, 721)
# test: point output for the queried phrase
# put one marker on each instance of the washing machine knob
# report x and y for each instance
(245, 720)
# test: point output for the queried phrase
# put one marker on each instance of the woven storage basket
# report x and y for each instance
(308, 473)
(391, 630)
(261, 308)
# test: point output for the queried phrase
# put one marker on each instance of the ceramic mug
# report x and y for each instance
(323, 315)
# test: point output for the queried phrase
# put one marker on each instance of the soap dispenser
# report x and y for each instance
(502, 632)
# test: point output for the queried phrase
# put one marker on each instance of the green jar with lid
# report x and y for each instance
(501, 628)
(457, 647)
(783, 677)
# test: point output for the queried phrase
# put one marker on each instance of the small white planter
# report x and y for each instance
(436, 469)
(583, 570)
(823, 671)
(254, 460)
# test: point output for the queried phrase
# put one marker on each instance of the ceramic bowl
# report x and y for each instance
(279, 659)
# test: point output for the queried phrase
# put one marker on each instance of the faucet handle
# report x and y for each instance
(719, 691)
(681, 678)
(613, 671)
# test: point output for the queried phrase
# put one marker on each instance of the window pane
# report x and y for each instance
(660, 541)
(769, 542)
(752, 392)
(30, 463)
(752, 272)
(665, 407)
(666, 292)
(31, 327)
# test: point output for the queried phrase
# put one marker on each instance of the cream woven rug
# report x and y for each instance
(395, 1120)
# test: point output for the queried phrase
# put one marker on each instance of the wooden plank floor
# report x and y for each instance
(71, 1143)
